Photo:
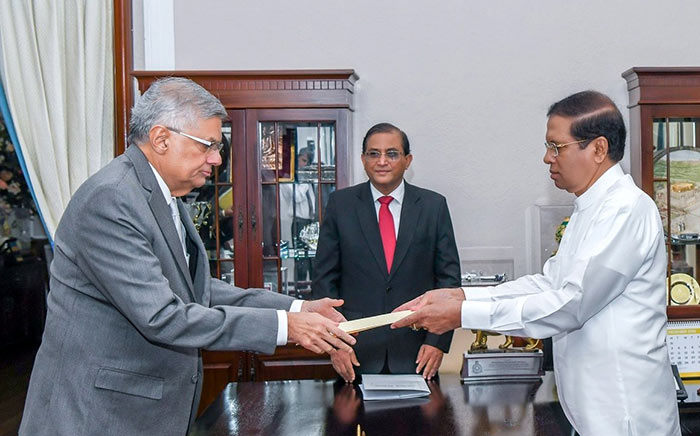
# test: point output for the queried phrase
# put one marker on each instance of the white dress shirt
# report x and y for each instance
(602, 298)
(394, 206)
(281, 314)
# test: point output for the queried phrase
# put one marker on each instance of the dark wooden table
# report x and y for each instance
(309, 407)
(690, 409)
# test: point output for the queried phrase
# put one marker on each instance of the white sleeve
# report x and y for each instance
(614, 249)
(296, 306)
(281, 328)
(282, 321)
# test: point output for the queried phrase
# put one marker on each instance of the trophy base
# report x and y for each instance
(502, 365)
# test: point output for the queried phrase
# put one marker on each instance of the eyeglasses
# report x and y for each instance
(211, 145)
(392, 155)
(555, 147)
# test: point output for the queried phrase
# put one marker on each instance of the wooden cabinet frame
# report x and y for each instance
(659, 92)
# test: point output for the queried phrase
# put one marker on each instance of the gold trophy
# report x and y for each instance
(505, 363)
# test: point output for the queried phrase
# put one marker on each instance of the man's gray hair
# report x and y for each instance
(173, 102)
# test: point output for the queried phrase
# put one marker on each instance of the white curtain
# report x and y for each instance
(57, 71)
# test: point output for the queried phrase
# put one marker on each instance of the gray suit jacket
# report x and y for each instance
(120, 352)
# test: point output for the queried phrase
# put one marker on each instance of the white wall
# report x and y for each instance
(469, 82)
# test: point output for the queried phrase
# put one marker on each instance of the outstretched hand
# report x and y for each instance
(437, 311)
(326, 307)
(317, 333)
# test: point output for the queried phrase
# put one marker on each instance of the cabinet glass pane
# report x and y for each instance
(327, 151)
(225, 171)
(660, 163)
(660, 195)
(226, 269)
(297, 160)
(269, 220)
(225, 216)
(677, 195)
(271, 280)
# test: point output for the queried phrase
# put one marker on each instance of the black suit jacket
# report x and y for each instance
(350, 264)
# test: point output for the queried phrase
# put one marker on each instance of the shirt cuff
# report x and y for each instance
(282, 321)
(476, 315)
(477, 293)
(282, 328)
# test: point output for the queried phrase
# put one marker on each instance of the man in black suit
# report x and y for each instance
(383, 242)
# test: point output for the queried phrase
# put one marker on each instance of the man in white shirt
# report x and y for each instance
(602, 297)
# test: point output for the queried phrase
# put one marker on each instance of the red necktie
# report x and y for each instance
(386, 230)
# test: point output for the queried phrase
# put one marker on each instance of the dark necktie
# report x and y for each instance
(386, 230)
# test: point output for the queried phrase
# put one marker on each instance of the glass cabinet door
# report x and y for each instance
(297, 167)
(677, 195)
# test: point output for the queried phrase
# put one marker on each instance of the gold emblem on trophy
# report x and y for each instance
(479, 344)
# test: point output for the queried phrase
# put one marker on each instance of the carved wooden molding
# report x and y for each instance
(269, 89)
(663, 85)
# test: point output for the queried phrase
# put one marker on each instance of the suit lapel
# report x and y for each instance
(369, 226)
(410, 212)
(161, 212)
(200, 292)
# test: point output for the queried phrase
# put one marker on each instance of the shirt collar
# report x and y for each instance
(163, 187)
(600, 187)
(396, 193)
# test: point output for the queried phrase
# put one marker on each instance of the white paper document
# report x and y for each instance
(393, 386)
(370, 322)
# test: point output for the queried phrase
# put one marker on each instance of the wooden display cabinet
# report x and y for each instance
(664, 106)
(287, 147)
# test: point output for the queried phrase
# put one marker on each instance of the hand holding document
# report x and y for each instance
(437, 311)
(370, 322)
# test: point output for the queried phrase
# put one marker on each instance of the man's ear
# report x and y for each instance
(157, 139)
(600, 149)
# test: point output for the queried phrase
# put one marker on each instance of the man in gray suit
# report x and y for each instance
(132, 301)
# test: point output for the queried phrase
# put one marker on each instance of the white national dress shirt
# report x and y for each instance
(394, 206)
(281, 314)
(602, 298)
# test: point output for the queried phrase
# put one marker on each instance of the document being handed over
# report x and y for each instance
(362, 324)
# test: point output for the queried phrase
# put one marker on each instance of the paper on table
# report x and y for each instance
(370, 322)
(393, 386)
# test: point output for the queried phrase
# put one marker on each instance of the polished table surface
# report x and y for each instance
(690, 409)
(311, 407)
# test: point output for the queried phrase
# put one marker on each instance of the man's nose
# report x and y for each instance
(383, 159)
(548, 156)
(214, 158)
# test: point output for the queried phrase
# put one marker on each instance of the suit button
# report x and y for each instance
(388, 288)
(194, 378)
